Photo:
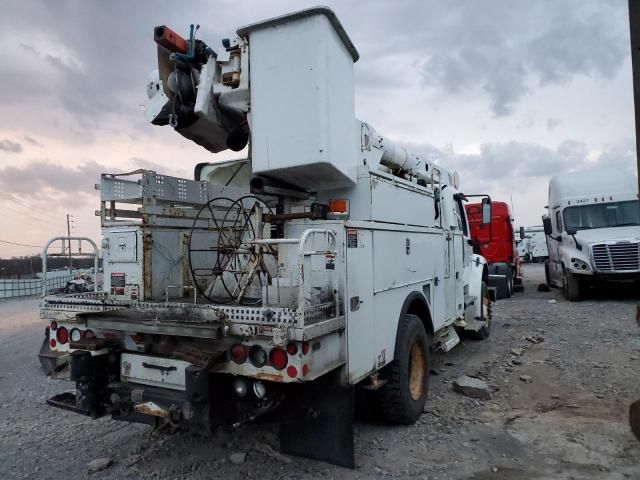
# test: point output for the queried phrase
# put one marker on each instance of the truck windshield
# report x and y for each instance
(603, 215)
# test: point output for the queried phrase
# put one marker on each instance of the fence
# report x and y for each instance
(11, 288)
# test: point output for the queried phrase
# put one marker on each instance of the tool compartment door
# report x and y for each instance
(359, 304)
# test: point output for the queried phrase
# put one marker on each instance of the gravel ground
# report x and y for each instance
(566, 419)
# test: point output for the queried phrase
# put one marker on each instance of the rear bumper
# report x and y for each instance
(99, 392)
(189, 409)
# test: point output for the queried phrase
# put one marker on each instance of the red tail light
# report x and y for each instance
(292, 348)
(278, 358)
(53, 343)
(305, 348)
(62, 335)
(238, 353)
(292, 371)
(54, 325)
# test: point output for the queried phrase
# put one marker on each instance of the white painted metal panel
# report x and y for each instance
(156, 371)
(123, 247)
(302, 103)
(361, 354)
(402, 259)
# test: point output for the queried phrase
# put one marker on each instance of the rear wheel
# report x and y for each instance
(509, 283)
(402, 397)
(571, 286)
(485, 315)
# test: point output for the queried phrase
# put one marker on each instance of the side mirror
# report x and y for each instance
(486, 211)
(546, 223)
(571, 231)
(521, 233)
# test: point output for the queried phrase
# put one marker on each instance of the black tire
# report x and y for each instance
(571, 286)
(401, 399)
(485, 315)
(547, 274)
(509, 284)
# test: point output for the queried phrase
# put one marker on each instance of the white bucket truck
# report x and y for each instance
(593, 230)
(331, 259)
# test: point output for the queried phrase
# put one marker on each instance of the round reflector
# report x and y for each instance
(238, 353)
(305, 348)
(292, 348)
(52, 342)
(62, 335)
(257, 356)
(292, 371)
(75, 335)
(88, 334)
(54, 325)
(278, 358)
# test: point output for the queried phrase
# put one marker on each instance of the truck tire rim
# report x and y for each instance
(416, 371)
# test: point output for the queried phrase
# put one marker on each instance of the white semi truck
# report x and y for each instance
(593, 230)
(329, 260)
(532, 246)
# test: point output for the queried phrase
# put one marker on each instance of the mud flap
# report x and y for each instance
(634, 418)
(319, 424)
(55, 364)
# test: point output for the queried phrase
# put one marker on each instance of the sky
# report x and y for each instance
(506, 92)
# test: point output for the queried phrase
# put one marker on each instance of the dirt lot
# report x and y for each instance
(567, 421)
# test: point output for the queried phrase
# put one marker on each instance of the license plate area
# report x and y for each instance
(154, 371)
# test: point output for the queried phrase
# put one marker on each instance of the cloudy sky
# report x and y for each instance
(508, 92)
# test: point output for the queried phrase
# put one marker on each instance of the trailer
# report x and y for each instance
(328, 260)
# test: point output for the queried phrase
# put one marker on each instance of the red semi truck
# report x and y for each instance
(495, 240)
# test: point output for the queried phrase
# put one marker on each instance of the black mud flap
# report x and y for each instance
(319, 424)
(634, 418)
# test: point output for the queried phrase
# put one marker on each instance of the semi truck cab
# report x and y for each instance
(496, 242)
(593, 230)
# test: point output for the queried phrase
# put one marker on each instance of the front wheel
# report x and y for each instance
(485, 314)
(571, 286)
(402, 397)
(547, 274)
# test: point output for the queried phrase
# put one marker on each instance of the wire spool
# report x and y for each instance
(226, 264)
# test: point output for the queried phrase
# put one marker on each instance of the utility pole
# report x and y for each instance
(634, 30)
(69, 235)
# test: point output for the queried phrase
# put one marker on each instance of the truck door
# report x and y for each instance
(555, 265)
(461, 252)
(451, 244)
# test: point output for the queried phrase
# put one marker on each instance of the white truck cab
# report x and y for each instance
(532, 246)
(592, 229)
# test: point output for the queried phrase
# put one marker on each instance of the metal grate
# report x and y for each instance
(616, 257)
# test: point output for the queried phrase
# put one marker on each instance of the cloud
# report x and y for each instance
(496, 162)
(552, 123)
(160, 168)
(10, 147)
(508, 48)
(32, 141)
(43, 177)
